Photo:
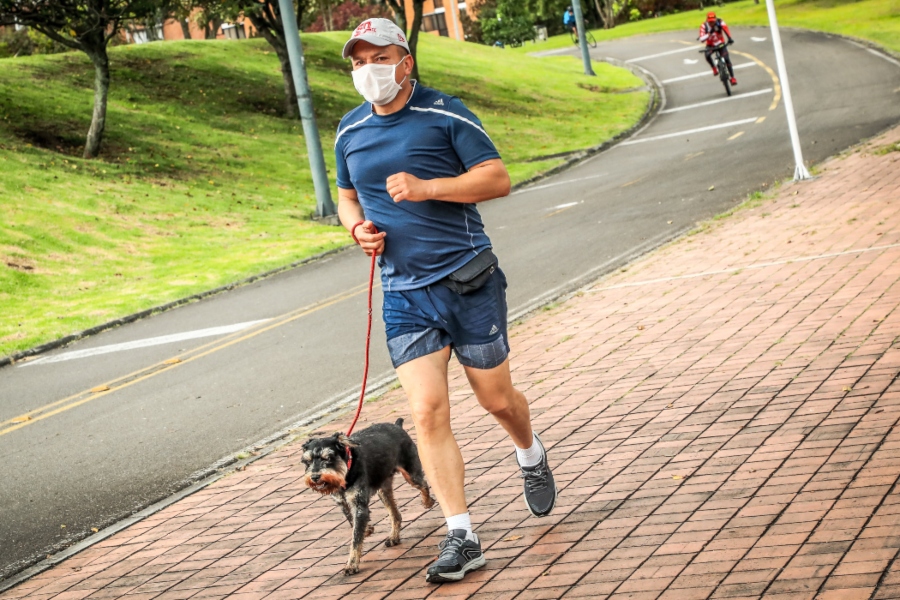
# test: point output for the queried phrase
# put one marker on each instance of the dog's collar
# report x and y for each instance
(349, 458)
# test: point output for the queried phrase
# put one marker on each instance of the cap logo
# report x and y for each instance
(364, 27)
(401, 38)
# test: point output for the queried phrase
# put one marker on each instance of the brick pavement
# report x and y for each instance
(721, 416)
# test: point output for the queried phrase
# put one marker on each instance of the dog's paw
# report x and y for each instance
(428, 503)
(351, 569)
(370, 530)
(389, 542)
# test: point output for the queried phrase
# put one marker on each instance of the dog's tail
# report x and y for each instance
(399, 423)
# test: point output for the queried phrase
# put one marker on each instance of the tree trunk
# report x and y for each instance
(399, 11)
(605, 8)
(291, 109)
(328, 17)
(101, 93)
(185, 28)
(414, 37)
(212, 29)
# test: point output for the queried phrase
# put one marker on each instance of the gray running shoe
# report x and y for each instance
(540, 488)
(459, 555)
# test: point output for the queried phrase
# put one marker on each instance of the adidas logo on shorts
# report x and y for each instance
(494, 330)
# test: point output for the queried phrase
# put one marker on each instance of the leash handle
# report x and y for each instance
(362, 393)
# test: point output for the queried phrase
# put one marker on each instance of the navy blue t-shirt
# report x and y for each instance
(433, 136)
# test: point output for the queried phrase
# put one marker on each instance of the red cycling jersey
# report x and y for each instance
(714, 33)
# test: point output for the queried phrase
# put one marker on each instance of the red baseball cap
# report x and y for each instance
(710, 16)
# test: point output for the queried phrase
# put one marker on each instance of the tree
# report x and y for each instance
(510, 24)
(413, 37)
(85, 25)
(397, 7)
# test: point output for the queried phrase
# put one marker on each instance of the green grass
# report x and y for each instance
(874, 20)
(202, 183)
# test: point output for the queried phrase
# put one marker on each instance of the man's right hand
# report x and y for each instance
(369, 240)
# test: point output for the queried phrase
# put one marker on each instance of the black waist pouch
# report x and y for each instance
(472, 275)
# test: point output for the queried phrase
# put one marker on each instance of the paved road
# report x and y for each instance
(85, 459)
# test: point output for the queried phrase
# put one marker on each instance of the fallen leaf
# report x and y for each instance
(23, 419)
(712, 187)
(95, 530)
(669, 222)
(669, 405)
(847, 388)
(172, 361)
(100, 388)
(640, 327)
(512, 538)
(62, 526)
(676, 477)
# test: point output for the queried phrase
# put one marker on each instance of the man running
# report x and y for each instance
(411, 164)
(714, 32)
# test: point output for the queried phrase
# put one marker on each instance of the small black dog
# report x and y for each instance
(350, 469)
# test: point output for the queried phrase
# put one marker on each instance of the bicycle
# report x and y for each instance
(721, 65)
(588, 36)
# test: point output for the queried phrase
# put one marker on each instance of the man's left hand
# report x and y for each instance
(404, 186)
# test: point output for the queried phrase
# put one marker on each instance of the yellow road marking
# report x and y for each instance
(556, 212)
(124, 381)
(776, 84)
(760, 120)
(688, 157)
(631, 182)
(735, 136)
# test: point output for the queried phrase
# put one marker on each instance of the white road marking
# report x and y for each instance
(716, 101)
(884, 56)
(705, 73)
(735, 269)
(649, 56)
(758, 39)
(689, 131)
(689, 61)
(154, 341)
(546, 185)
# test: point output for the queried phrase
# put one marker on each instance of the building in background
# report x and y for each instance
(440, 17)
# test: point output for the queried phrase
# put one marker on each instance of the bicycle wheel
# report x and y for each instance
(723, 75)
(574, 37)
(590, 39)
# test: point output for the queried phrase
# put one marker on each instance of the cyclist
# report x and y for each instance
(714, 32)
(569, 20)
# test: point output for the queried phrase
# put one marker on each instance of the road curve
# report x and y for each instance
(251, 361)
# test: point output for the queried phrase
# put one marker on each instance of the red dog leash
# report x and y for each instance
(362, 393)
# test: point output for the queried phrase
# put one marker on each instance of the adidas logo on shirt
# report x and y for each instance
(439, 102)
(493, 330)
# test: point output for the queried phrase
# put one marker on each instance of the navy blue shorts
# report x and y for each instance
(423, 321)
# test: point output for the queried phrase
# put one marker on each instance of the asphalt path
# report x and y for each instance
(76, 459)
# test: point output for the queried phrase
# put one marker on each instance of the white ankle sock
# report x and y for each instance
(463, 521)
(530, 456)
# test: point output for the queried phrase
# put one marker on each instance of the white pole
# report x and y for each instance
(800, 171)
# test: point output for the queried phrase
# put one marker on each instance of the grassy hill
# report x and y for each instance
(202, 183)
(874, 20)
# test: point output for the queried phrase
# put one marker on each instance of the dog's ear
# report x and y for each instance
(344, 441)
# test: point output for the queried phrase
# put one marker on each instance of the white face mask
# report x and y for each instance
(377, 83)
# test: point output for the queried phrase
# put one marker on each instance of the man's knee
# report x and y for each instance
(503, 401)
(430, 413)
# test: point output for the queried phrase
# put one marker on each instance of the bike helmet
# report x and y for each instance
(569, 9)
(710, 16)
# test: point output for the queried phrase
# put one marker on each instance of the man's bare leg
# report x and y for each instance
(495, 392)
(425, 382)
